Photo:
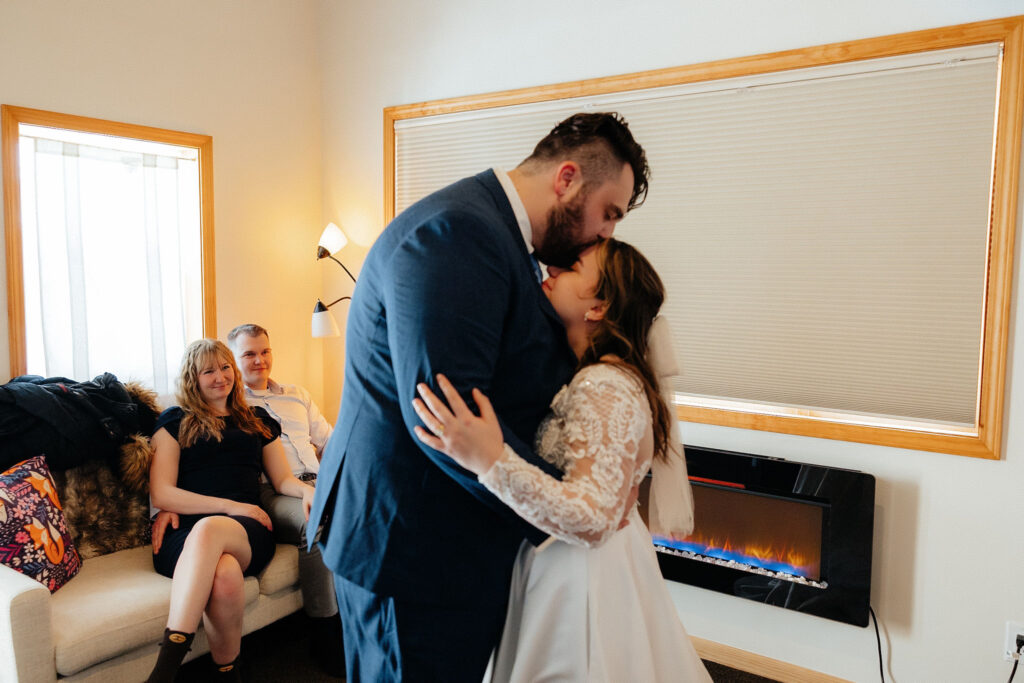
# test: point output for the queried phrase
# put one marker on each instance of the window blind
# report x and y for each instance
(822, 233)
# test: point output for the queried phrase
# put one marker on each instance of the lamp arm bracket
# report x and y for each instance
(342, 267)
(337, 300)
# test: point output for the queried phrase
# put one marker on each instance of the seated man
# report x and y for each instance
(304, 433)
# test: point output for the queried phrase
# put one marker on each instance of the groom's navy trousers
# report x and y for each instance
(448, 287)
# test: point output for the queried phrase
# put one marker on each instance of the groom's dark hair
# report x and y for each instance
(600, 143)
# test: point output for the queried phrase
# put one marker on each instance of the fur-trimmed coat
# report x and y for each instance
(67, 421)
(106, 504)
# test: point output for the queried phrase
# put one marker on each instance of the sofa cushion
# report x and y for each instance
(117, 603)
(34, 537)
(282, 572)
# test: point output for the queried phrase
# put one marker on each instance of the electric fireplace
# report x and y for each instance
(783, 533)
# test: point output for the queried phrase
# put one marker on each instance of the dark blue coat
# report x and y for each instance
(448, 287)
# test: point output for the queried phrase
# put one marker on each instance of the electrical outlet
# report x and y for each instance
(1013, 629)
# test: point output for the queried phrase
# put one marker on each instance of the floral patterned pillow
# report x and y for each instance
(34, 538)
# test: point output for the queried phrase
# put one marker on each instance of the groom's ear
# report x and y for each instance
(567, 181)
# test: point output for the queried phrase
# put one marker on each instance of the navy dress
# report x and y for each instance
(229, 468)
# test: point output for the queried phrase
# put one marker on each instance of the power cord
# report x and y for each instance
(1016, 656)
(881, 671)
(878, 639)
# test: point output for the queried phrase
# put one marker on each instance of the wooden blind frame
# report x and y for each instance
(10, 119)
(985, 439)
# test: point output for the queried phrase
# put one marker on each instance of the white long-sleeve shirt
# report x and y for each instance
(304, 431)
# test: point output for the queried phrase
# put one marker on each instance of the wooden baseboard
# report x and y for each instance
(758, 664)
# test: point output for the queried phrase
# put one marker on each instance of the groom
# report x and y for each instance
(422, 553)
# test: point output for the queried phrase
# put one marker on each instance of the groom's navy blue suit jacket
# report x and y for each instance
(448, 287)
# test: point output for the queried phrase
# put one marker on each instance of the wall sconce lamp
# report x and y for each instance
(331, 241)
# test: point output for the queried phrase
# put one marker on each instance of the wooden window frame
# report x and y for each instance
(10, 119)
(985, 439)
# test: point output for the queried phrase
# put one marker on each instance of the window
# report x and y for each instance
(834, 225)
(109, 246)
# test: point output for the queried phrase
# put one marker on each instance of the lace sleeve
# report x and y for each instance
(602, 429)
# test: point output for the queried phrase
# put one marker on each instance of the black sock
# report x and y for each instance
(227, 672)
(173, 649)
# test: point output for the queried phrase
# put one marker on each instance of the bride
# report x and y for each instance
(592, 606)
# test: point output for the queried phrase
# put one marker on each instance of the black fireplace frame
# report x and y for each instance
(846, 538)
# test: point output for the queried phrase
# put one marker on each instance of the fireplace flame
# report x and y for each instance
(786, 559)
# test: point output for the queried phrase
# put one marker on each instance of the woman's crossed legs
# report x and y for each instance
(208, 584)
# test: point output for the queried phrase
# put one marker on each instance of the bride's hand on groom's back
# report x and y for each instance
(473, 441)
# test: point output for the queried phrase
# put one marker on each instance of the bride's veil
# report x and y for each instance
(670, 508)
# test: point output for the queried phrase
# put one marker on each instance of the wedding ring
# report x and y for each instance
(440, 429)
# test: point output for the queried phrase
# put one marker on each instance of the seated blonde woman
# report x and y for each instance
(208, 455)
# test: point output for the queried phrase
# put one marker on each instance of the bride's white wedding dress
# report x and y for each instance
(592, 606)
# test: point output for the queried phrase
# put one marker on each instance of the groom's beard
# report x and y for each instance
(562, 239)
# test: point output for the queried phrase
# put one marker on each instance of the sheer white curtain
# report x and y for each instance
(111, 255)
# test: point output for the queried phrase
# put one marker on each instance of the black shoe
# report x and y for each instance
(325, 645)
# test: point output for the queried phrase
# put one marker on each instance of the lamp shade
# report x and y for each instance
(332, 239)
(324, 324)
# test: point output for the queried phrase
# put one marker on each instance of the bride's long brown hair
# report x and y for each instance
(199, 421)
(633, 293)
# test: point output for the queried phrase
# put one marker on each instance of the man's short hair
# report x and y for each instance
(600, 143)
(249, 330)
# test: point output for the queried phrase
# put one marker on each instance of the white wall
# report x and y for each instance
(948, 540)
(246, 73)
(948, 529)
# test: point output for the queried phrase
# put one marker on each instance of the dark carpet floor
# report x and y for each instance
(280, 652)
